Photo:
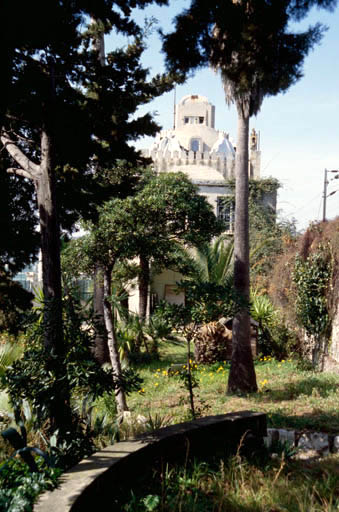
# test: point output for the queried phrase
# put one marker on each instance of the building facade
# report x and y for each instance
(207, 156)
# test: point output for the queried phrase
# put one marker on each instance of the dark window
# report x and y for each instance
(201, 120)
(186, 119)
(195, 145)
(225, 212)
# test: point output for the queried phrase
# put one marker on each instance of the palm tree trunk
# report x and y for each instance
(143, 286)
(242, 374)
(112, 340)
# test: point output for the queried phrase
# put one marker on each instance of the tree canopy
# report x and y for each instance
(60, 109)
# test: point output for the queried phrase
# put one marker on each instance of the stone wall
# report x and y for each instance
(306, 444)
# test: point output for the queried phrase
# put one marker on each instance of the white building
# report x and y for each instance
(196, 148)
(207, 156)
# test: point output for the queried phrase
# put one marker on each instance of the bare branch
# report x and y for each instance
(32, 169)
(22, 137)
(19, 172)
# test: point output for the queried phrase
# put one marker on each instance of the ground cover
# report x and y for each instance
(238, 485)
(290, 396)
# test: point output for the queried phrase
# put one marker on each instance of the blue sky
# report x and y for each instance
(299, 130)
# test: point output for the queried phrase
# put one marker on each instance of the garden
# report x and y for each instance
(290, 392)
(257, 329)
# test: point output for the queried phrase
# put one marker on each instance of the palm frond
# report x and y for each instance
(8, 354)
(213, 262)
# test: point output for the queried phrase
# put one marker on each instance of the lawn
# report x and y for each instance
(291, 397)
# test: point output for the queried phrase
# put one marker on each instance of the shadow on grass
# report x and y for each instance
(317, 421)
(313, 386)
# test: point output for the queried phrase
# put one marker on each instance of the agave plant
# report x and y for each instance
(263, 311)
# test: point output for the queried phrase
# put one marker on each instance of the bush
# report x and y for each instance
(39, 376)
(283, 342)
(19, 488)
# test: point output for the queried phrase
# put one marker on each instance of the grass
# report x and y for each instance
(238, 485)
(291, 398)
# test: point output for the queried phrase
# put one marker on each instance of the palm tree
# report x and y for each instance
(248, 42)
(212, 262)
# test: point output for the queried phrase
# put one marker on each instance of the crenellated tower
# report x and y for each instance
(196, 148)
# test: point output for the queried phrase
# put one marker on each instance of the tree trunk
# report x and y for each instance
(144, 277)
(61, 415)
(242, 374)
(101, 352)
(50, 248)
(112, 341)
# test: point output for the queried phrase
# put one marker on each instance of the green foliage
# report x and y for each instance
(166, 210)
(206, 302)
(283, 342)
(263, 311)
(234, 483)
(35, 377)
(311, 277)
(274, 338)
(18, 221)
(171, 208)
(15, 302)
(19, 488)
(9, 352)
(258, 189)
(134, 334)
(267, 234)
(212, 262)
(19, 443)
(232, 38)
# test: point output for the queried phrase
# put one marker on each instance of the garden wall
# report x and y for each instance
(100, 479)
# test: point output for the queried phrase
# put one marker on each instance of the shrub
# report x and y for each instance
(37, 378)
(19, 488)
(213, 343)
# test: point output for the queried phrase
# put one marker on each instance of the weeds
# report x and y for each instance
(236, 484)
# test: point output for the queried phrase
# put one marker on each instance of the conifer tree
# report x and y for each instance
(45, 123)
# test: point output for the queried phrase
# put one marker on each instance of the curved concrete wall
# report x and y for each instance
(96, 481)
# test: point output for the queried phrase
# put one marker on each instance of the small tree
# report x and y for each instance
(169, 211)
(166, 211)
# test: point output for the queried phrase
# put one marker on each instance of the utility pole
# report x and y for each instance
(325, 196)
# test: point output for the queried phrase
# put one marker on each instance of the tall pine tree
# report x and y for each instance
(45, 124)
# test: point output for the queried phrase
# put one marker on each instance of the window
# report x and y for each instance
(173, 295)
(225, 212)
(193, 120)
